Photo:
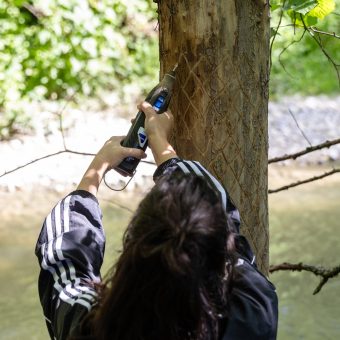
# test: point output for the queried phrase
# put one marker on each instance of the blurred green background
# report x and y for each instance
(53, 49)
(299, 65)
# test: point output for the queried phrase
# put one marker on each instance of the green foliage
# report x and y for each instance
(305, 12)
(53, 48)
(298, 63)
(298, 6)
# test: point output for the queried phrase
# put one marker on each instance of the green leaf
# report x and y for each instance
(307, 20)
(302, 20)
(323, 8)
(275, 4)
(274, 7)
(302, 7)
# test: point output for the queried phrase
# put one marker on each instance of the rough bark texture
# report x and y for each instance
(221, 97)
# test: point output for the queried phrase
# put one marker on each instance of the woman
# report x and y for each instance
(184, 272)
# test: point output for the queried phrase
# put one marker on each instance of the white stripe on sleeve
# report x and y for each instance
(57, 220)
(195, 168)
(67, 214)
(217, 184)
(62, 269)
(183, 167)
(58, 248)
(49, 227)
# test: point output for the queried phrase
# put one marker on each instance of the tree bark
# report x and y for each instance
(220, 101)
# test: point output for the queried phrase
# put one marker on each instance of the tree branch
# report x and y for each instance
(325, 273)
(286, 48)
(44, 157)
(59, 114)
(275, 34)
(55, 154)
(60, 118)
(295, 155)
(312, 179)
(298, 126)
(332, 34)
(318, 40)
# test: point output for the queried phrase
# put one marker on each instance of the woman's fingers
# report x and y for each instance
(115, 139)
(146, 108)
(132, 152)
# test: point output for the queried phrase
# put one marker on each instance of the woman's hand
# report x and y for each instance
(112, 153)
(109, 156)
(158, 128)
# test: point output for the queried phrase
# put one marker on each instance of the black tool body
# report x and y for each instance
(159, 98)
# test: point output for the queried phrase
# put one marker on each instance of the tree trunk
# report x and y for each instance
(220, 102)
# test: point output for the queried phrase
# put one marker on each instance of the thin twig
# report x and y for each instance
(286, 48)
(298, 126)
(275, 34)
(55, 154)
(60, 117)
(312, 179)
(295, 155)
(325, 273)
(319, 42)
(280, 60)
(332, 34)
(44, 157)
(61, 128)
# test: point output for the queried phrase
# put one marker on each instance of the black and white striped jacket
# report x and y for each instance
(70, 250)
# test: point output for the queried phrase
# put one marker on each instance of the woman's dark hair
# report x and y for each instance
(170, 281)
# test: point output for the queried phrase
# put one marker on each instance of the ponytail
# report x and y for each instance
(170, 282)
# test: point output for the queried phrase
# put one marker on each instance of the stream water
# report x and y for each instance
(304, 227)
